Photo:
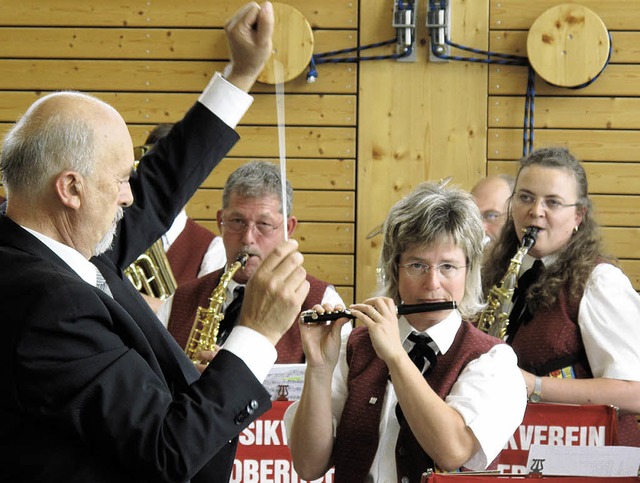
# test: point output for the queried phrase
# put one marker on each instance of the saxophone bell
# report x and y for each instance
(151, 273)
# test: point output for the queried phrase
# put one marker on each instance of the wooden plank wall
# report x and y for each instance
(417, 121)
(151, 59)
(362, 135)
(600, 123)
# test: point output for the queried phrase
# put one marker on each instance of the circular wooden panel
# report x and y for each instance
(568, 45)
(292, 44)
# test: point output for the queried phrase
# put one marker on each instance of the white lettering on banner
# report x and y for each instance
(556, 436)
(270, 471)
(264, 433)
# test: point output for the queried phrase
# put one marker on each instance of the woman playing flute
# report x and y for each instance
(401, 395)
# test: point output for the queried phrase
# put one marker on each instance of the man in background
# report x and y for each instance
(492, 197)
(251, 221)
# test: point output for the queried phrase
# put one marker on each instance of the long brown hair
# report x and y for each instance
(575, 261)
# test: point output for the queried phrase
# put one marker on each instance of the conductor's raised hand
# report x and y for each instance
(275, 293)
(249, 34)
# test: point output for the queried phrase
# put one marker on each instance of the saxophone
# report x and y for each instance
(204, 332)
(495, 317)
(151, 273)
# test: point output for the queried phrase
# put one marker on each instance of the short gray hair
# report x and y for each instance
(39, 147)
(431, 213)
(257, 179)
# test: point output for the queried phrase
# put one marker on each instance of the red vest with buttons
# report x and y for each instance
(196, 293)
(551, 340)
(357, 435)
(186, 253)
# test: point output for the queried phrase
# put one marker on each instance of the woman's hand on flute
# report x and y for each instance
(379, 316)
(321, 343)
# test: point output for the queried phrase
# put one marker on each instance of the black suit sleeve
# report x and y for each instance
(167, 177)
(78, 371)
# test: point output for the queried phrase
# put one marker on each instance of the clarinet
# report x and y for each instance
(312, 317)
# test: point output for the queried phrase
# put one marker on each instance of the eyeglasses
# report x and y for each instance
(492, 217)
(237, 226)
(522, 198)
(445, 270)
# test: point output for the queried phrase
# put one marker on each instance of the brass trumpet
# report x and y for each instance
(312, 317)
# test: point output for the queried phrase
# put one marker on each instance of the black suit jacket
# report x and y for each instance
(94, 388)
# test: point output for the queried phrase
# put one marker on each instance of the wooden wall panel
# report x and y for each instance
(136, 44)
(417, 121)
(520, 14)
(332, 206)
(624, 44)
(160, 13)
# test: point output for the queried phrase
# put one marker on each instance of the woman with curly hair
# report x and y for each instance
(577, 336)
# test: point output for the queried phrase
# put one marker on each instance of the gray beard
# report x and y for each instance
(107, 240)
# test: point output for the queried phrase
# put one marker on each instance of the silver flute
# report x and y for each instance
(313, 317)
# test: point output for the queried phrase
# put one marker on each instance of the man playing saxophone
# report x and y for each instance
(250, 222)
(575, 328)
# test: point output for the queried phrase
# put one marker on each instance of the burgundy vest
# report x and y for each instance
(186, 253)
(551, 340)
(357, 435)
(196, 293)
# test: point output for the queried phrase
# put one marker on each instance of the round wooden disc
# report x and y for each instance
(292, 44)
(568, 45)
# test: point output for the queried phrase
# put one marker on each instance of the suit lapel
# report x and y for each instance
(172, 360)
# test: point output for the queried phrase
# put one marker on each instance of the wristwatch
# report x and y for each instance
(536, 395)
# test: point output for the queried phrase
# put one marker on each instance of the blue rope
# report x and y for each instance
(527, 139)
(489, 58)
(325, 57)
(508, 59)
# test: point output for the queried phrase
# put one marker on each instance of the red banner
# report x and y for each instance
(558, 424)
(461, 478)
(263, 455)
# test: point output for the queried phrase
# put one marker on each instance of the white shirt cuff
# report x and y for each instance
(254, 349)
(225, 100)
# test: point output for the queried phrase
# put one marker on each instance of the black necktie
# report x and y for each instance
(520, 313)
(231, 315)
(424, 355)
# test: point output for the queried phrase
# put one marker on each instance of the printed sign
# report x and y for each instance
(558, 424)
(263, 455)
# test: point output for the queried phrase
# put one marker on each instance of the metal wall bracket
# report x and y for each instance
(438, 21)
(404, 21)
